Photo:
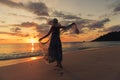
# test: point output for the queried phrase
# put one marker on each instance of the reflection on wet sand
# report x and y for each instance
(17, 61)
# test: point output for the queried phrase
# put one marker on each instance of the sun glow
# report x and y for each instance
(34, 58)
(32, 40)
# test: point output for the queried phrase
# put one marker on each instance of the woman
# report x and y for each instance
(55, 47)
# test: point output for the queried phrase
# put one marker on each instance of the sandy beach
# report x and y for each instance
(95, 64)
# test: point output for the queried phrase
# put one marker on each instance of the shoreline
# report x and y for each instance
(7, 62)
(69, 48)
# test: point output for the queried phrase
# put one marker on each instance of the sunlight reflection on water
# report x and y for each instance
(32, 49)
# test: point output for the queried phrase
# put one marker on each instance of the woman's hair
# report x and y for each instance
(55, 20)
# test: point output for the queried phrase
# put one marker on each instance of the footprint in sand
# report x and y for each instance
(59, 72)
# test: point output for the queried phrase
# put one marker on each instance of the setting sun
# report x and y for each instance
(32, 40)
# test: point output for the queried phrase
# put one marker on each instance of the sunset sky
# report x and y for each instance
(23, 21)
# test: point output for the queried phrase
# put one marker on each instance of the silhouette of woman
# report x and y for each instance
(55, 47)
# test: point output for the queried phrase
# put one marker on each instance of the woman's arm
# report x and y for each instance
(46, 34)
(66, 26)
(61, 26)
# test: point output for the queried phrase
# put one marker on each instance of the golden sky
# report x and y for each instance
(23, 21)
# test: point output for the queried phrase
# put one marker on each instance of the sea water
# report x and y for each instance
(14, 51)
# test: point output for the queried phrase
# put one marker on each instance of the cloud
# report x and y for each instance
(14, 14)
(17, 29)
(38, 8)
(26, 24)
(15, 34)
(80, 22)
(2, 39)
(2, 21)
(12, 4)
(114, 8)
(113, 28)
(4, 25)
(99, 24)
(64, 16)
(107, 15)
(90, 15)
(40, 28)
(41, 18)
(117, 8)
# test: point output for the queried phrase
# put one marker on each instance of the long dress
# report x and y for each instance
(55, 47)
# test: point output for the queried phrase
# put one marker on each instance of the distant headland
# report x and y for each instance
(112, 36)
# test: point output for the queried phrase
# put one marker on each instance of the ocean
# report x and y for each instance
(15, 51)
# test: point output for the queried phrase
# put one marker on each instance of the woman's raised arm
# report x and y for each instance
(66, 28)
(46, 34)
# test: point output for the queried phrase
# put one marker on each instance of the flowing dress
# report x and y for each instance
(55, 47)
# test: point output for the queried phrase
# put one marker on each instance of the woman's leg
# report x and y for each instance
(59, 64)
